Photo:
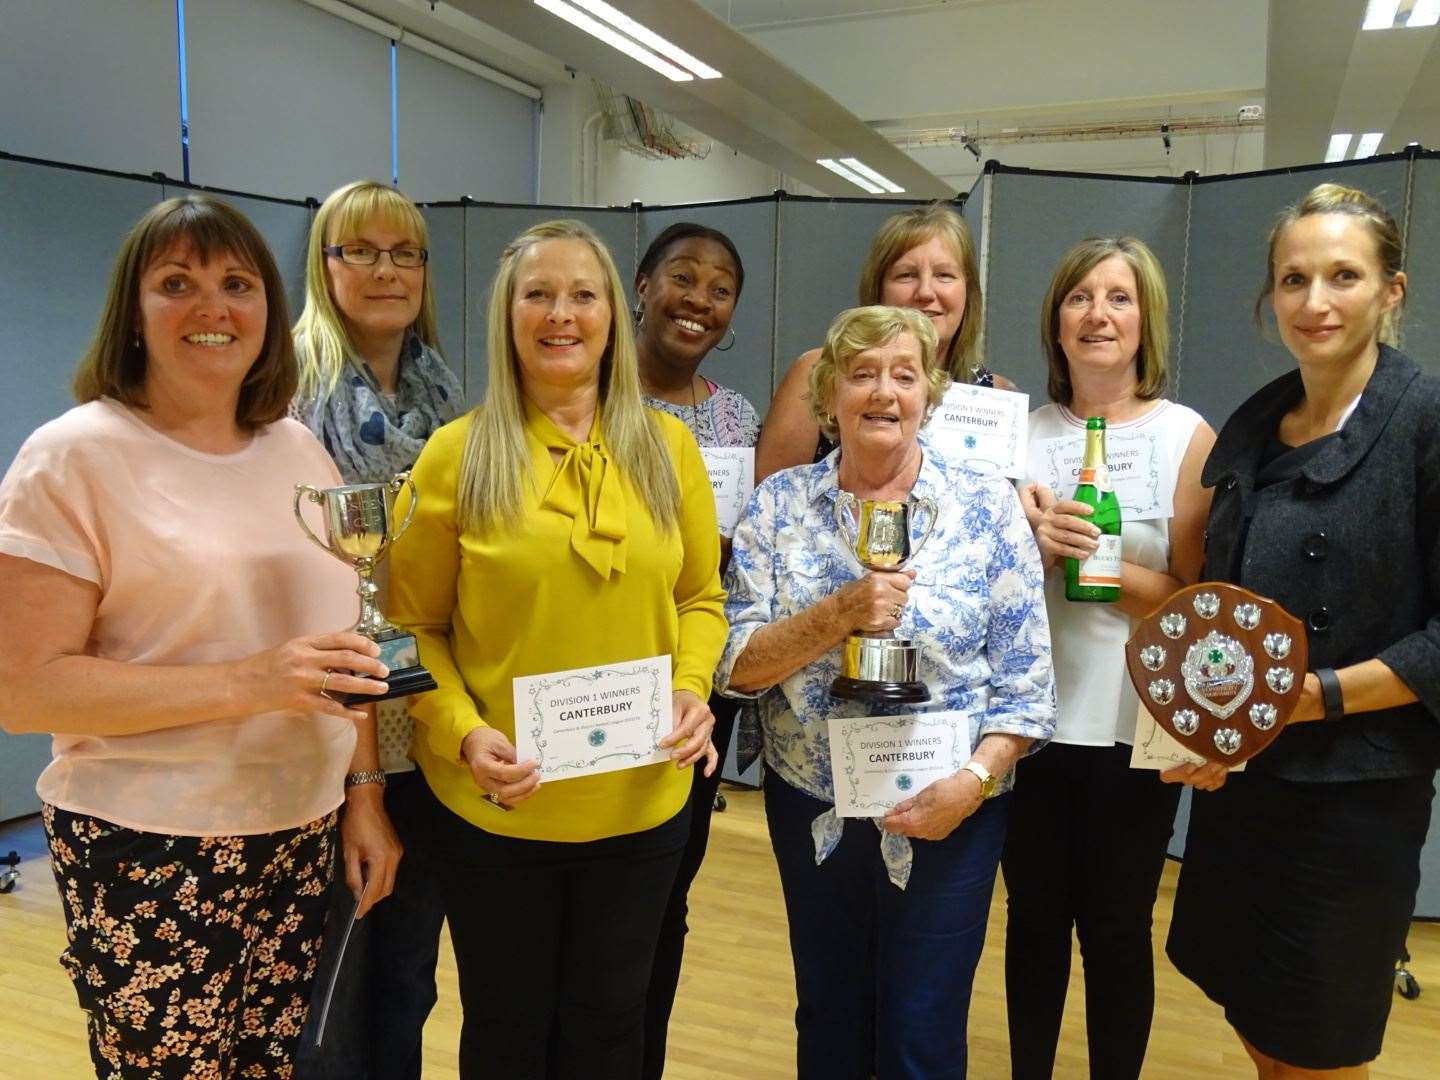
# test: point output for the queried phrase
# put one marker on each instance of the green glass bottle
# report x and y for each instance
(1097, 579)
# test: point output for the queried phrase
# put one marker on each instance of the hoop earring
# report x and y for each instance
(639, 314)
(727, 348)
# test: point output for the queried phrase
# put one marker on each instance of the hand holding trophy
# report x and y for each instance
(358, 533)
(880, 668)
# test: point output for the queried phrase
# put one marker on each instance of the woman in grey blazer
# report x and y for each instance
(1300, 873)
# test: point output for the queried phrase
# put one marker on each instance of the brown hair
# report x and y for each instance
(1152, 360)
(908, 229)
(1338, 199)
(858, 329)
(114, 365)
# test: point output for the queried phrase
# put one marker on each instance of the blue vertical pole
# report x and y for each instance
(184, 92)
(394, 115)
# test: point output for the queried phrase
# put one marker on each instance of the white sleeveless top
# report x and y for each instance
(1097, 705)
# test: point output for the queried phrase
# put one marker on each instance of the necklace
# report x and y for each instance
(694, 408)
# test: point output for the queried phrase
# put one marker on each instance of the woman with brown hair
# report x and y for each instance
(923, 258)
(180, 645)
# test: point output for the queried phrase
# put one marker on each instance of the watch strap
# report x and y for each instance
(988, 784)
(1330, 693)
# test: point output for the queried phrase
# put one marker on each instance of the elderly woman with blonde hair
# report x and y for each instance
(562, 525)
(887, 914)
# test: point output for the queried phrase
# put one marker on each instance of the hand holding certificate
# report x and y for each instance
(600, 719)
(880, 763)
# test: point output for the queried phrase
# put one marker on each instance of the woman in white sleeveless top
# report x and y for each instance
(1088, 834)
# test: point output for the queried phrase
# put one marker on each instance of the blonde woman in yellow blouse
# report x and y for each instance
(560, 525)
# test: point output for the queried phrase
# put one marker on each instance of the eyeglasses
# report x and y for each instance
(407, 258)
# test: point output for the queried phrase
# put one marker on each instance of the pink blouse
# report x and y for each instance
(198, 560)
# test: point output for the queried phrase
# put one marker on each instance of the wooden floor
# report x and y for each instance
(734, 1015)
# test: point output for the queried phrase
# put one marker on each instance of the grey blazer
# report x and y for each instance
(1351, 546)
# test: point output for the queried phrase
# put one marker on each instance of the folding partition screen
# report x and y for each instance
(60, 227)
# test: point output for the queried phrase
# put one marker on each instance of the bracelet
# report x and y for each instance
(373, 776)
(1330, 693)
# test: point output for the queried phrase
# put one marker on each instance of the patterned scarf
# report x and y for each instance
(372, 437)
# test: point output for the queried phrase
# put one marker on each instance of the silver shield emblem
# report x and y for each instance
(1219, 674)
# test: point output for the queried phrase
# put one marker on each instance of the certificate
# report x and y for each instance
(1155, 748)
(880, 761)
(1134, 463)
(982, 427)
(732, 478)
(595, 719)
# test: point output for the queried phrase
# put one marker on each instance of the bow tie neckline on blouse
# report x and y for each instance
(586, 488)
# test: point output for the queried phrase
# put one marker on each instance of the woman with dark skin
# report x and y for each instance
(687, 286)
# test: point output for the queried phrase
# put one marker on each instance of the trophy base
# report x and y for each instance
(880, 693)
(398, 652)
(401, 683)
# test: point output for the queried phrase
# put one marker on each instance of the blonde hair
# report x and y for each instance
(114, 365)
(1389, 247)
(858, 329)
(322, 341)
(496, 463)
(911, 228)
(1152, 360)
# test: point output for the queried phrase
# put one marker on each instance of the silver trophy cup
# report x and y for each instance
(880, 668)
(358, 533)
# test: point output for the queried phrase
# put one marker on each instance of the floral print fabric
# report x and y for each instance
(976, 609)
(192, 956)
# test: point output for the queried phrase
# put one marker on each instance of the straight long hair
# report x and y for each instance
(911, 228)
(322, 342)
(496, 465)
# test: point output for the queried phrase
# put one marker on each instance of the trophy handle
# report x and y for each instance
(305, 491)
(933, 513)
(846, 504)
(396, 485)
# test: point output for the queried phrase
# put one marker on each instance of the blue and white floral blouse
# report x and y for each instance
(976, 609)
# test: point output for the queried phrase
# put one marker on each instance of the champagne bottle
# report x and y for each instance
(1097, 579)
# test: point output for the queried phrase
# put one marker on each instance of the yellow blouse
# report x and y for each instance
(584, 577)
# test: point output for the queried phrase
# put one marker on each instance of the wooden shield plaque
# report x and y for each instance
(1219, 668)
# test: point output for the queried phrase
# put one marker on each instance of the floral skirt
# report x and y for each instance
(192, 956)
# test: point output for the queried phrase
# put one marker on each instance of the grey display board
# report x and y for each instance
(823, 244)
(489, 228)
(1034, 219)
(1226, 357)
(446, 271)
(59, 230)
(1421, 329)
(747, 365)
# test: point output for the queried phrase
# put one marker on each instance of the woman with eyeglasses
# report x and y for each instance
(373, 388)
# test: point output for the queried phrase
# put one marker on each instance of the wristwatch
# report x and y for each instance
(989, 786)
(374, 776)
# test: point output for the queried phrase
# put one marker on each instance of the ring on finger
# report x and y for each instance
(325, 682)
(895, 611)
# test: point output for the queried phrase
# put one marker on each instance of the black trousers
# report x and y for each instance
(554, 944)
(1085, 850)
(670, 949)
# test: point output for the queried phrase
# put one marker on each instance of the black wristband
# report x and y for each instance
(1330, 693)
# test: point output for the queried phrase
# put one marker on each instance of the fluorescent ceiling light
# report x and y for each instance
(870, 174)
(1368, 144)
(1380, 14)
(850, 175)
(647, 37)
(1339, 144)
(660, 56)
(1425, 13)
